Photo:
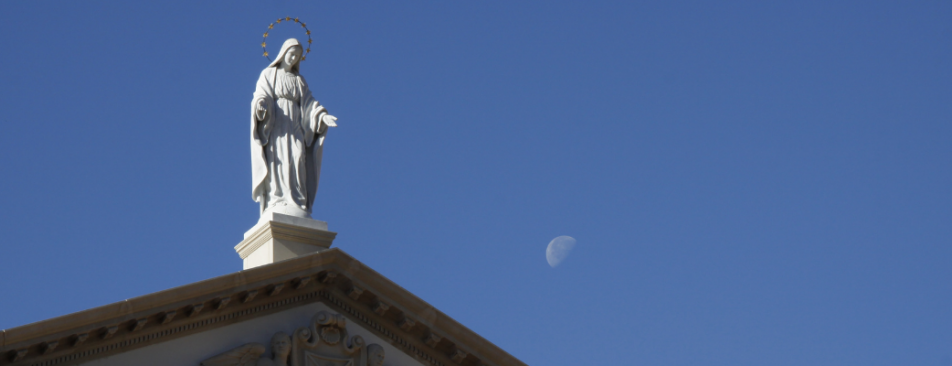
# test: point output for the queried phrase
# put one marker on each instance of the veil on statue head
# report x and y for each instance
(291, 42)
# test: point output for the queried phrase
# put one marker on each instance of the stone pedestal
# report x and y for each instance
(277, 237)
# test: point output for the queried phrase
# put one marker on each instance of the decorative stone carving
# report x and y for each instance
(406, 323)
(375, 355)
(381, 308)
(433, 339)
(276, 289)
(355, 292)
(138, 324)
(197, 308)
(329, 277)
(301, 282)
(250, 354)
(18, 354)
(324, 342)
(222, 303)
(49, 346)
(459, 355)
(168, 316)
(250, 296)
(80, 338)
(108, 332)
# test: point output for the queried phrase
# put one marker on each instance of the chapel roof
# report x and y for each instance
(331, 277)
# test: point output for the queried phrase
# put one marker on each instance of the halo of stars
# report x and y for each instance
(264, 42)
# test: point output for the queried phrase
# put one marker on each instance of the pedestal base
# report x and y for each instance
(277, 237)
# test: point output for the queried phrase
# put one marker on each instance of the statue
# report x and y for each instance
(288, 127)
(323, 342)
(280, 350)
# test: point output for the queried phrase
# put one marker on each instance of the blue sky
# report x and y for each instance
(750, 183)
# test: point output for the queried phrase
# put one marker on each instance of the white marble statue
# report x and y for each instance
(288, 127)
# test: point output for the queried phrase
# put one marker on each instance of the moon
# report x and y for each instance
(558, 249)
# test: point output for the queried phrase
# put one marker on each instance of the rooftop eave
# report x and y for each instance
(332, 277)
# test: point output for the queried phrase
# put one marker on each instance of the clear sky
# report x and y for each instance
(749, 183)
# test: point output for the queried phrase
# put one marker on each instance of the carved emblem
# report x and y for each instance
(324, 342)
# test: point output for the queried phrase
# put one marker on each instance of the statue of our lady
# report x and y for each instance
(288, 127)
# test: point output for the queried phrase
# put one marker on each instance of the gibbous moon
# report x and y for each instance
(558, 249)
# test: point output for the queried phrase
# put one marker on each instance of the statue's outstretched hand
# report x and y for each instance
(329, 120)
(261, 110)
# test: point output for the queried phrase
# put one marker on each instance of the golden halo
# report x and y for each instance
(264, 42)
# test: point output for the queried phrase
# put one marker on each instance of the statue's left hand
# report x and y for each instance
(329, 120)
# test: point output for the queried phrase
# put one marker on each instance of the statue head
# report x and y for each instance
(375, 355)
(291, 52)
(281, 345)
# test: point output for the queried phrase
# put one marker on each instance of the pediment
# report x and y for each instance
(308, 335)
(214, 316)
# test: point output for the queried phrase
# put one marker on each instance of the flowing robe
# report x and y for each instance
(287, 144)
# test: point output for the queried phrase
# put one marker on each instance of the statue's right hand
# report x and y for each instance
(261, 109)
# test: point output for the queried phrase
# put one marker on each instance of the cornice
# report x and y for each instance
(331, 277)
